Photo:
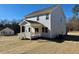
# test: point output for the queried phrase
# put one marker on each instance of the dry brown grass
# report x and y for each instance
(12, 45)
(74, 33)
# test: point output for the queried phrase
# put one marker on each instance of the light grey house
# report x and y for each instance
(6, 31)
(49, 23)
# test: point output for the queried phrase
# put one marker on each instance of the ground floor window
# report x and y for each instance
(3, 32)
(23, 28)
(45, 29)
(9, 32)
(29, 29)
(36, 30)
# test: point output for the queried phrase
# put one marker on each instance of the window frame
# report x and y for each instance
(37, 18)
(47, 16)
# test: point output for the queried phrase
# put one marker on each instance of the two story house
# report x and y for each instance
(48, 23)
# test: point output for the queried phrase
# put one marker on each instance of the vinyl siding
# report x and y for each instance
(55, 25)
(58, 27)
(45, 22)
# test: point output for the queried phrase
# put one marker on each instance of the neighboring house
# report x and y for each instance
(48, 23)
(6, 31)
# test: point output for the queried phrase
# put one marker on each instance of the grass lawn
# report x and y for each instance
(11, 44)
(74, 33)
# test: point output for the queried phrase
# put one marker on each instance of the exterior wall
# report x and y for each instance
(33, 18)
(58, 25)
(46, 23)
(32, 32)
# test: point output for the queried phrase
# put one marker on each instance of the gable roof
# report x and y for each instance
(33, 22)
(5, 28)
(41, 12)
(30, 21)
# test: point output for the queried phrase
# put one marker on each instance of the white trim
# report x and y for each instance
(22, 22)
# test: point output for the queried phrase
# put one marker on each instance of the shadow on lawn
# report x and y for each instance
(71, 37)
(61, 38)
(58, 39)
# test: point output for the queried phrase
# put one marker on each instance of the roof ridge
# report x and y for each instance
(38, 11)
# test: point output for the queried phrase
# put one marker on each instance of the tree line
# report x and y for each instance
(73, 22)
(14, 24)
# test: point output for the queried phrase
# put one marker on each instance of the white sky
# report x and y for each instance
(39, 1)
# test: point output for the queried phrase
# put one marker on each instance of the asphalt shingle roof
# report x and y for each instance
(41, 12)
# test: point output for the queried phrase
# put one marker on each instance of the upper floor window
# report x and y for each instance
(37, 18)
(61, 19)
(47, 16)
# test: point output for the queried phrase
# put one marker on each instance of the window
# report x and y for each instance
(47, 16)
(23, 28)
(29, 29)
(37, 18)
(45, 29)
(9, 32)
(61, 19)
(3, 32)
(36, 30)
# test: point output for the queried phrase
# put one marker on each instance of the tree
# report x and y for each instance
(11, 24)
(15, 26)
(75, 10)
(74, 23)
